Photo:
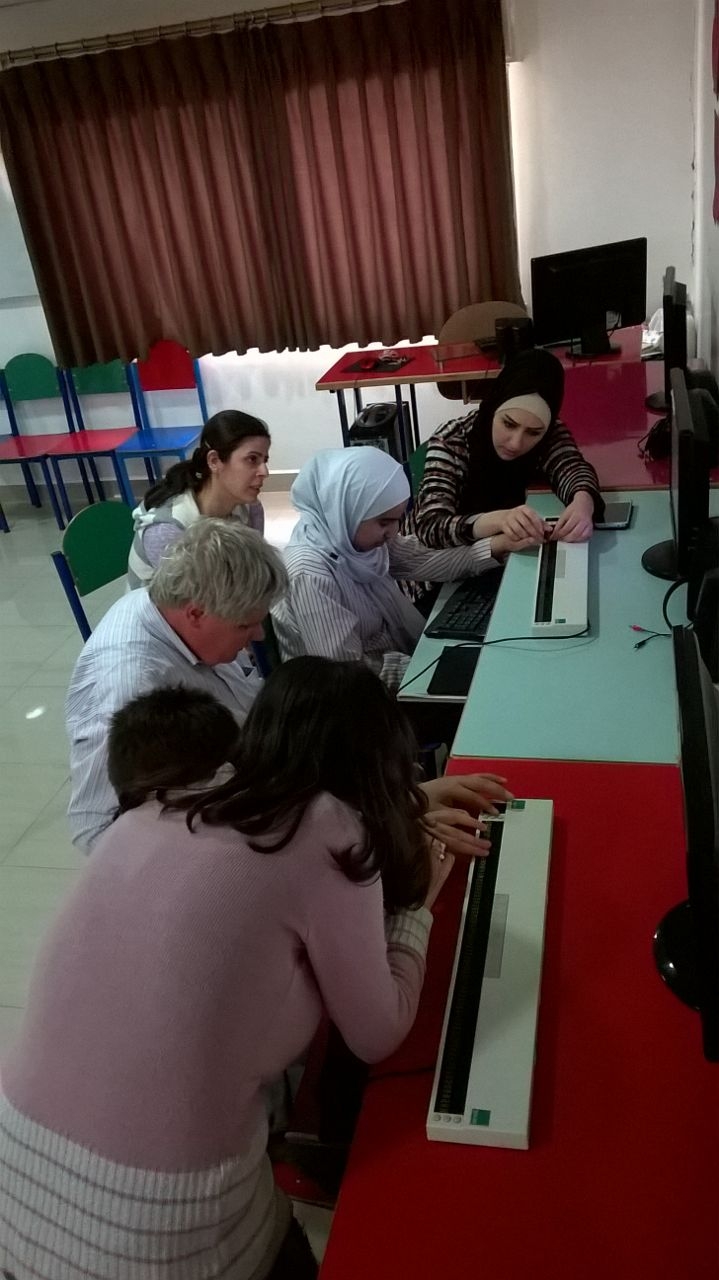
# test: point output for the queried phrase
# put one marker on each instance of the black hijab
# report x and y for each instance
(493, 484)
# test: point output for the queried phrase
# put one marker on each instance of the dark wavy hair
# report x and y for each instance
(223, 432)
(319, 725)
(170, 737)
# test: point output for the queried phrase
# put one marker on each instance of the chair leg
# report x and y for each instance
(96, 477)
(85, 482)
(57, 472)
(150, 473)
(32, 491)
(51, 493)
(123, 480)
(73, 599)
(4, 526)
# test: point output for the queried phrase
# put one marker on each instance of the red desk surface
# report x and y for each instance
(423, 367)
(622, 1177)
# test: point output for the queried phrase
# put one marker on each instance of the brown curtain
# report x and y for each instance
(345, 178)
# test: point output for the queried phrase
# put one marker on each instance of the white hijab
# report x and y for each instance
(334, 493)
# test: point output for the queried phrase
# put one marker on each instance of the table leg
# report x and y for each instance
(344, 424)
(415, 415)
(359, 405)
(4, 526)
(403, 441)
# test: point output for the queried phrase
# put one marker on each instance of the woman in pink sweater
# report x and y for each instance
(190, 966)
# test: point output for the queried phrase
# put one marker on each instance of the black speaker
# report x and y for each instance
(514, 334)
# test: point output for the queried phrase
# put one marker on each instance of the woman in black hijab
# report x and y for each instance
(479, 467)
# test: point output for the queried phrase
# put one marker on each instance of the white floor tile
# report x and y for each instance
(32, 727)
(25, 790)
(29, 899)
(46, 842)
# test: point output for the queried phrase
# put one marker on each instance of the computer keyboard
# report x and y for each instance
(466, 614)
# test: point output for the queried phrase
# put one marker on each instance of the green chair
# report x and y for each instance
(95, 547)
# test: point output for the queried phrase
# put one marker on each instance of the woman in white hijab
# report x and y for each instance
(344, 556)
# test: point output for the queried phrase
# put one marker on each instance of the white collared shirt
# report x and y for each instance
(132, 651)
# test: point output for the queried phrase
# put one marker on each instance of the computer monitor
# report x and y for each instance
(689, 488)
(686, 943)
(674, 332)
(578, 296)
(706, 620)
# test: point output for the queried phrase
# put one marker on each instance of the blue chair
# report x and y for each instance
(30, 377)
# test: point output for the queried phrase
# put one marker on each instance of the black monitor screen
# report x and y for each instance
(577, 296)
(689, 490)
(674, 308)
(687, 940)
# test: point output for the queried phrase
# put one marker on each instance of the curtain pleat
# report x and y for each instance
(345, 179)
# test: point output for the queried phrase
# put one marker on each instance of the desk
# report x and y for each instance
(621, 1178)
(594, 698)
(423, 367)
(591, 699)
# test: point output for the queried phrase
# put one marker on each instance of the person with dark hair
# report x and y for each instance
(479, 467)
(224, 477)
(170, 737)
(191, 963)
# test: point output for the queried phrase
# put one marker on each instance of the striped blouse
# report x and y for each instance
(434, 516)
(327, 612)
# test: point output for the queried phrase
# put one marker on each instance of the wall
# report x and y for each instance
(707, 232)
(602, 128)
(603, 139)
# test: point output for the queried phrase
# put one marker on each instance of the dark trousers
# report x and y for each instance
(295, 1261)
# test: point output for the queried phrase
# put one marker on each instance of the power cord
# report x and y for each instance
(484, 644)
(652, 635)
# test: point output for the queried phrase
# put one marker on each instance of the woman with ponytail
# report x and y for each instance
(224, 477)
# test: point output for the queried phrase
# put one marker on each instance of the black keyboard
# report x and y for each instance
(466, 614)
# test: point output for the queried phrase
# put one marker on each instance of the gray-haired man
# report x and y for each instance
(204, 605)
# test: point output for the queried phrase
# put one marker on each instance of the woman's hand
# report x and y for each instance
(442, 863)
(475, 792)
(501, 545)
(522, 522)
(458, 831)
(576, 523)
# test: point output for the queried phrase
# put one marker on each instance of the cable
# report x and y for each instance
(484, 644)
(652, 635)
(680, 582)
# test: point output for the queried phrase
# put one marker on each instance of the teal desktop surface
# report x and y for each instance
(593, 698)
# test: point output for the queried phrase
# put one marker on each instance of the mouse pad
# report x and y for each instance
(379, 366)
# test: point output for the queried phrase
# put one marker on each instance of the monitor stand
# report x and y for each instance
(675, 954)
(594, 341)
(661, 560)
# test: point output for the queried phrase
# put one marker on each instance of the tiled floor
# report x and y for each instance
(39, 643)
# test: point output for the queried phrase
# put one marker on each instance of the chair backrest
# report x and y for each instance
(466, 325)
(32, 377)
(99, 380)
(168, 367)
(96, 544)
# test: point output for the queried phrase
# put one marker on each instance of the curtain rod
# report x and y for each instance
(294, 11)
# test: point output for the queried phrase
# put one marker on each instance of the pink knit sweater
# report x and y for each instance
(186, 969)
